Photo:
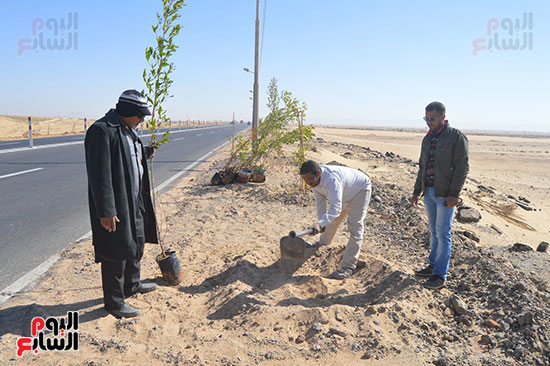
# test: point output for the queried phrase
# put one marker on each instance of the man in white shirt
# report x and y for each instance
(347, 192)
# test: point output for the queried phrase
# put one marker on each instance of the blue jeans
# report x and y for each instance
(440, 219)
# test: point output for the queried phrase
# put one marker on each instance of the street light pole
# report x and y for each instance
(256, 85)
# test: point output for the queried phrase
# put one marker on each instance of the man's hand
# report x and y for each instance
(109, 223)
(414, 200)
(149, 151)
(451, 201)
(316, 229)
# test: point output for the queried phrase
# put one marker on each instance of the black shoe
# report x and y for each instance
(124, 311)
(434, 282)
(424, 272)
(143, 288)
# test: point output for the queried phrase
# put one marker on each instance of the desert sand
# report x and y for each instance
(240, 304)
(17, 127)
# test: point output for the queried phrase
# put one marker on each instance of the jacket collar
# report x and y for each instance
(113, 120)
(445, 123)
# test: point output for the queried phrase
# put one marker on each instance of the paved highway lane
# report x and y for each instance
(43, 193)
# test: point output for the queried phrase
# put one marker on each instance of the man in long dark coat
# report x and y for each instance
(119, 195)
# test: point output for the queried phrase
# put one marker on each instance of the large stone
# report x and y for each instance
(543, 247)
(458, 305)
(468, 214)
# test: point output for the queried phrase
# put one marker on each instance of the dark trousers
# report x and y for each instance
(120, 280)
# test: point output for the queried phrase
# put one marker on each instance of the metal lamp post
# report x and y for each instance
(256, 87)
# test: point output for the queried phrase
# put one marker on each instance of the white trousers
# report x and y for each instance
(356, 211)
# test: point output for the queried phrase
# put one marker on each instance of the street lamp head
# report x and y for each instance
(247, 70)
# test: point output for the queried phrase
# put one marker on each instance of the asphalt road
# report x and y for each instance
(45, 207)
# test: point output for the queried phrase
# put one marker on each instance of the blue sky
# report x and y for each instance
(354, 62)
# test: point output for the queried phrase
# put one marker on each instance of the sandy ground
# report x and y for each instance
(240, 304)
(17, 127)
(512, 165)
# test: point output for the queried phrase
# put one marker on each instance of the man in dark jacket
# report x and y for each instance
(119, 196)
(443, 168)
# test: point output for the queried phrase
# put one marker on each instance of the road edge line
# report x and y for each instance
(27, 279)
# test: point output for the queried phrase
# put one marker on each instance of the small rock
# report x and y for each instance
(525, 206)
(525, 319)
(471, 236)
(377, 322)
(492, 323)
(466, 320)
(519, 247)
(323, 318)
(370, 310)
(377, 199)
(504, 326)
(338, 332)
(366, 356)
(316, 348)
(448, 313)
(269, 356)
(543, 247)
(519, 351)
(486, 339)
(300, 339)
(356, 347)
(317, 327)
(468, 214)
(497, 229)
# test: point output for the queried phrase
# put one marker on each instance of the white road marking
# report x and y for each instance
(181, 138)
(199, 134)
(19, 173)
(38, 147)
(189, 167)
(8, 143)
